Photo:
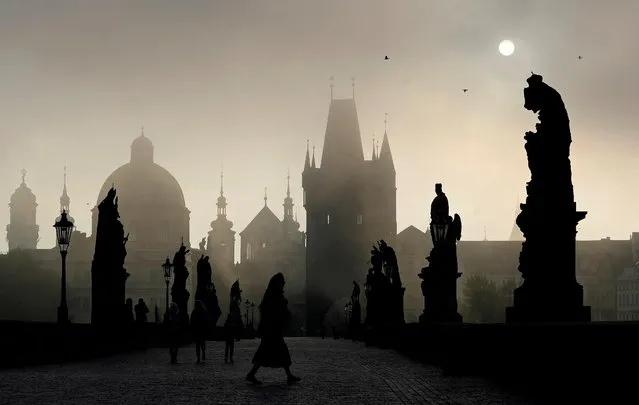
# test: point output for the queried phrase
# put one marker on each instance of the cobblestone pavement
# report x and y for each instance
(332, 371)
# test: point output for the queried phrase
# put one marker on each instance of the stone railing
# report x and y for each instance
(31, 343)
(540, 358)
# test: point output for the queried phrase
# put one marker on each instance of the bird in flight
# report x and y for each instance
(465, 90)
(579, 57)
(386, 58)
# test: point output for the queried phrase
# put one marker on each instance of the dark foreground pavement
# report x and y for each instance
(332, 371)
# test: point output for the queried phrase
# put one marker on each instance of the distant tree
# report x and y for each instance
(481, 299)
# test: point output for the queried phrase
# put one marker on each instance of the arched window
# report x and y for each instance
(360, 219)
(248, 251)
(328, 219)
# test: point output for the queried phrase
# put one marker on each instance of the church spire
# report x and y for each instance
(65, 201)
(288, 201)
(221, 200)
(374, 155)
(313, 161)
(307, 160)
(385, 155)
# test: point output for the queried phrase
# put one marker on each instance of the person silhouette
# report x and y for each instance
(174, 325)
(140, 311)
(200, 326)
(129, 311)
(274, 316)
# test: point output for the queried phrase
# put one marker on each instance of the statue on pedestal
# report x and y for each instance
(439, 278)
(548, 219)
(108, 275)
(179, 294)
(384, 290)
(205, 290)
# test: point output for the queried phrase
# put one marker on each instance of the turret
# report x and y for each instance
(22, 230)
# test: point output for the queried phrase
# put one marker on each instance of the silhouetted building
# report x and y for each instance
(22, 230)
(350, 202)
(628, 294)
(269, 246)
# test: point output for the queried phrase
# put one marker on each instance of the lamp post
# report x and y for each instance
(166, 268)
(247, 304)
(63, 229)
(252, 314)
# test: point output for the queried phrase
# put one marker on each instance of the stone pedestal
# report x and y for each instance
(439, 286)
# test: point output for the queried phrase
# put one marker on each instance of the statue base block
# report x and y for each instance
(543, 304)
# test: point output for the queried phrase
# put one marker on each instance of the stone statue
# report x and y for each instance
(205, 290)
(385, 294)
(548, 219)
(203, 246)
(179, 294)
(108, 275)
(439, 207)
(439, 277)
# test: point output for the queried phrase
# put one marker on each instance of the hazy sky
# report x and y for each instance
(244, 83)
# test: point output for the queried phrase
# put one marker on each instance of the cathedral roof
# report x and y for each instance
(142, 181)
(264, 221)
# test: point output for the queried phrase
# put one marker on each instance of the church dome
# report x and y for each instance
(23, 194)
(142, 181)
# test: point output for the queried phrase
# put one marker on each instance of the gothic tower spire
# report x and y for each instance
(65, 201)
(307, 160)
(221, 200)
(313, 161)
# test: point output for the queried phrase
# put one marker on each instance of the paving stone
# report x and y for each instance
(332, 371)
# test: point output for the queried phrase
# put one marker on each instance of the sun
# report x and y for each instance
(506, 47)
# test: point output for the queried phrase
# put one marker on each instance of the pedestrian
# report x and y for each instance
(274, 317)
(199, 328)
(174, 326)
(140, 311)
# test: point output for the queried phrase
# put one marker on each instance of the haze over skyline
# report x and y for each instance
(244, 84)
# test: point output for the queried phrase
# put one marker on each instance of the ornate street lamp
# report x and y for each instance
(439, 231)
(63, 229)
(166, 268)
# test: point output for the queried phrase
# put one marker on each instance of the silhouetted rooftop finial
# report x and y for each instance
(331, 86)
(353, 85)
(385, 122)
(265, 196)
(23, 172)
(288, 182)
(142, 130)
(222, 181)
